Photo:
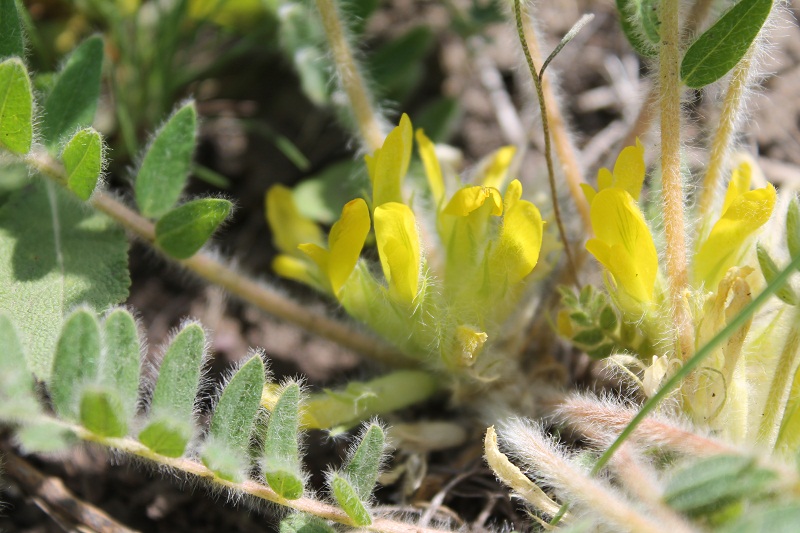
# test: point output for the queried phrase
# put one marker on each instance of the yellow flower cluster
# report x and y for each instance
(445, 310)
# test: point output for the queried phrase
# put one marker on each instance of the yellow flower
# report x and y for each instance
(520, 238)
(388, 165)
(399, 250)
(289, 227)
(629, 171)
(433, 170)
(496, 171)
(743, 212)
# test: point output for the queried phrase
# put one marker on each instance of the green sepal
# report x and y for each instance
(167, 436)
(72, 102)
(281, 458)
(12, 42)
(83, 162)
(347, 497)
(76, 362)
(121, 359)
(724, 44)
(16, 107)
(771, 270)
(232, 423)
(184, 230)
(17, 394)
(304, 523)
(102, 412)
(793, 227)
(167, 163)
(363, 467)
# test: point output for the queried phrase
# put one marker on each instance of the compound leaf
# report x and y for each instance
(55, 254)
(167, 163)
(73, 100)
(185, 229)
(16, 107)
(83, 162)
(724, 44)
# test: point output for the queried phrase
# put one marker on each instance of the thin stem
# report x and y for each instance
(731, 108)
(212, 270)
(565, 150)
(537, 80)
(350, 76)
(672, 187)
(779, 388)
(250, 487)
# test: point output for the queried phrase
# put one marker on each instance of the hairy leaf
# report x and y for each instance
(724, 44)
(76, 362)
(121, 364)
(17, 396)
(55, 254)
(173, 399)
(72, 102)
(16, 107)
(281, 449)
(347, 498)
(102, 412)
(630, 19)
(83, 162)
(11, 40)
(364, 466)
(304, 523)
(234, 416)
(167, 163)
(45, 436)
(185, 229)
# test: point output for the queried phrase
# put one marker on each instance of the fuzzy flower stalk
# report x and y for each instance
(441, 298)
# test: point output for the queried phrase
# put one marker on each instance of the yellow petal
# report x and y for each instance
(629, 170)
(292, 268)
(623, 242)
(738, 185)
(398, 246)
(468, 199)
(391, 164)
(345, 242)
(746, 213)
(433, 170)
(497, 170)
(317, 254)
(520, 239)
(467, 346)
(588, 192)
(604, 179)
(289, 227)
(371, 161)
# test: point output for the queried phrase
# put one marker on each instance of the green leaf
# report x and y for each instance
(281, 461)
(121, 365)
(185, 229)
(347, 498)
(397, 66)
(724, 44)
(589, 337)
(83, 161)
(44, 436)
(172, 406)
(73, 100)
(438, 118)
(17, 394)
(167, 163)
(304, 523)
(16, 107)
(630, 18)
(54, 255)
(608, 318)
(710, 484)
(793, 227)
(11, 40)
(363, 468)
(102, 412)
(650, 23)
(779, 519)
(770, 271)
(322, 196)
(234, 417)
(76, 362)
(167, 436)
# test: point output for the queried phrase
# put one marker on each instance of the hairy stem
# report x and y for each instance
(565, 150)
(731, 108)
(537, 80)
(350, 76)
(672, 187)
(779, 388)
(212, 270)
